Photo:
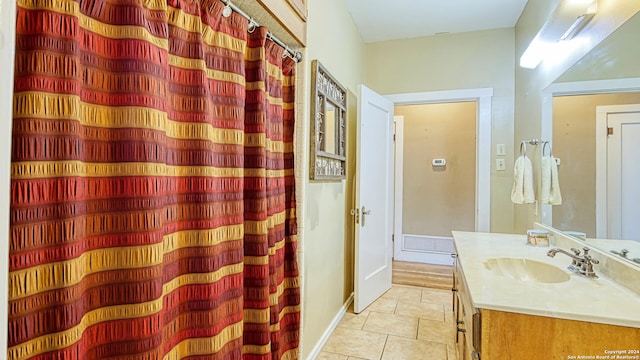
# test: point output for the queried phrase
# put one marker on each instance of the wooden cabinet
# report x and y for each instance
(467, 318)
(291, 14)
(497, 335)
(508, 335)
(300, 6)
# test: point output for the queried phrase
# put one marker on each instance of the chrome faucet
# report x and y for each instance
(580, 264)
(624, 253)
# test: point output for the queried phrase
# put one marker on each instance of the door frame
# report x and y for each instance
(602, 152)
(483, 99)
(589, 87)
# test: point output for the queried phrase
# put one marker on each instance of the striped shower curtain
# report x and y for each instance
(152, 194)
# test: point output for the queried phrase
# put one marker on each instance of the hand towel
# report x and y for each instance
(522, 191)
(549, 184)
(545, 179)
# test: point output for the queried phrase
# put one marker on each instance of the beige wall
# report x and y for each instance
(530, 83)
(437, 200)
(574, 139)
(482, 59)
(327, 242)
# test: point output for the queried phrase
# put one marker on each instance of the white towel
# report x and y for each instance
(522, 191)
(549, 184)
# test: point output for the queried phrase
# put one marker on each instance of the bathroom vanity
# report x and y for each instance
(512, 301)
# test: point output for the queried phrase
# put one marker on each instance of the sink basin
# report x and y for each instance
(527, 270)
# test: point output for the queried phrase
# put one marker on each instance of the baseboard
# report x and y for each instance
(327, 333)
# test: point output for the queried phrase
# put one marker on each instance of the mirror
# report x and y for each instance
(330, 143)
(575, 129)
(328, 126)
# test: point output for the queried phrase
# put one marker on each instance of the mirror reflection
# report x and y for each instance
(329, 130)
(597, 138)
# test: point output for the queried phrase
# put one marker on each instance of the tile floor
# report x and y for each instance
(406, 323)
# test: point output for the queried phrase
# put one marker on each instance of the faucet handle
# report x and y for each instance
(575, 251)
(588, 257)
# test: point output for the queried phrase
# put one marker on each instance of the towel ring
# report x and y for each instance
(523, 148)
(544, 146)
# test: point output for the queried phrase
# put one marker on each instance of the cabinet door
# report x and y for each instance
(292, 14)
(300, 6)
(465, 351)
(458, 318)
(457, 314)
(461, 347)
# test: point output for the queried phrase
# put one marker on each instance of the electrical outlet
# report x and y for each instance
(501, 165)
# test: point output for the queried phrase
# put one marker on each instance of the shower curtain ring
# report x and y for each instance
(523, 148)
(252, 26)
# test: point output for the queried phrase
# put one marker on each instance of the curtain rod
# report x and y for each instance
(295, 55)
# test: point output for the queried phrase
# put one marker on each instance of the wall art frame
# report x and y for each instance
(328, 126)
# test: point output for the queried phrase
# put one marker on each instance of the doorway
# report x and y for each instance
(435, 176)
(440, 249)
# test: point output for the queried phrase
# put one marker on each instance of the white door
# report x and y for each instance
(374, 198)
(623, 172)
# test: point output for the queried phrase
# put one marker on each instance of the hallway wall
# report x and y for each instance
(437, 200)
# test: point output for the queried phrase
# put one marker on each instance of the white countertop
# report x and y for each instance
(594, 300)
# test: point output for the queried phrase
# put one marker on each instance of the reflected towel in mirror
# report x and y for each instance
(549, 184)
(522, 191)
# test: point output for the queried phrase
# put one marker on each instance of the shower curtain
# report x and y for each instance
(152, 194)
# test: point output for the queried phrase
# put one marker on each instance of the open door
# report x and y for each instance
(374, 198)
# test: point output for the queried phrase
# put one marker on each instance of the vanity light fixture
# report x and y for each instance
(567, 20)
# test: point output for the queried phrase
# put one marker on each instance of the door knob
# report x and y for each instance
(363, 213)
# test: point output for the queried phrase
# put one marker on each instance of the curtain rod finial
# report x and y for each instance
(227, 11)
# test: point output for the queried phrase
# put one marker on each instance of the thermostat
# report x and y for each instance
(439, 162)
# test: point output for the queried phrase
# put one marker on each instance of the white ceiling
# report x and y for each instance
(380, 20)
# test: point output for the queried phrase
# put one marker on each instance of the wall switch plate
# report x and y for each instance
(501, 165)
(501, 149)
